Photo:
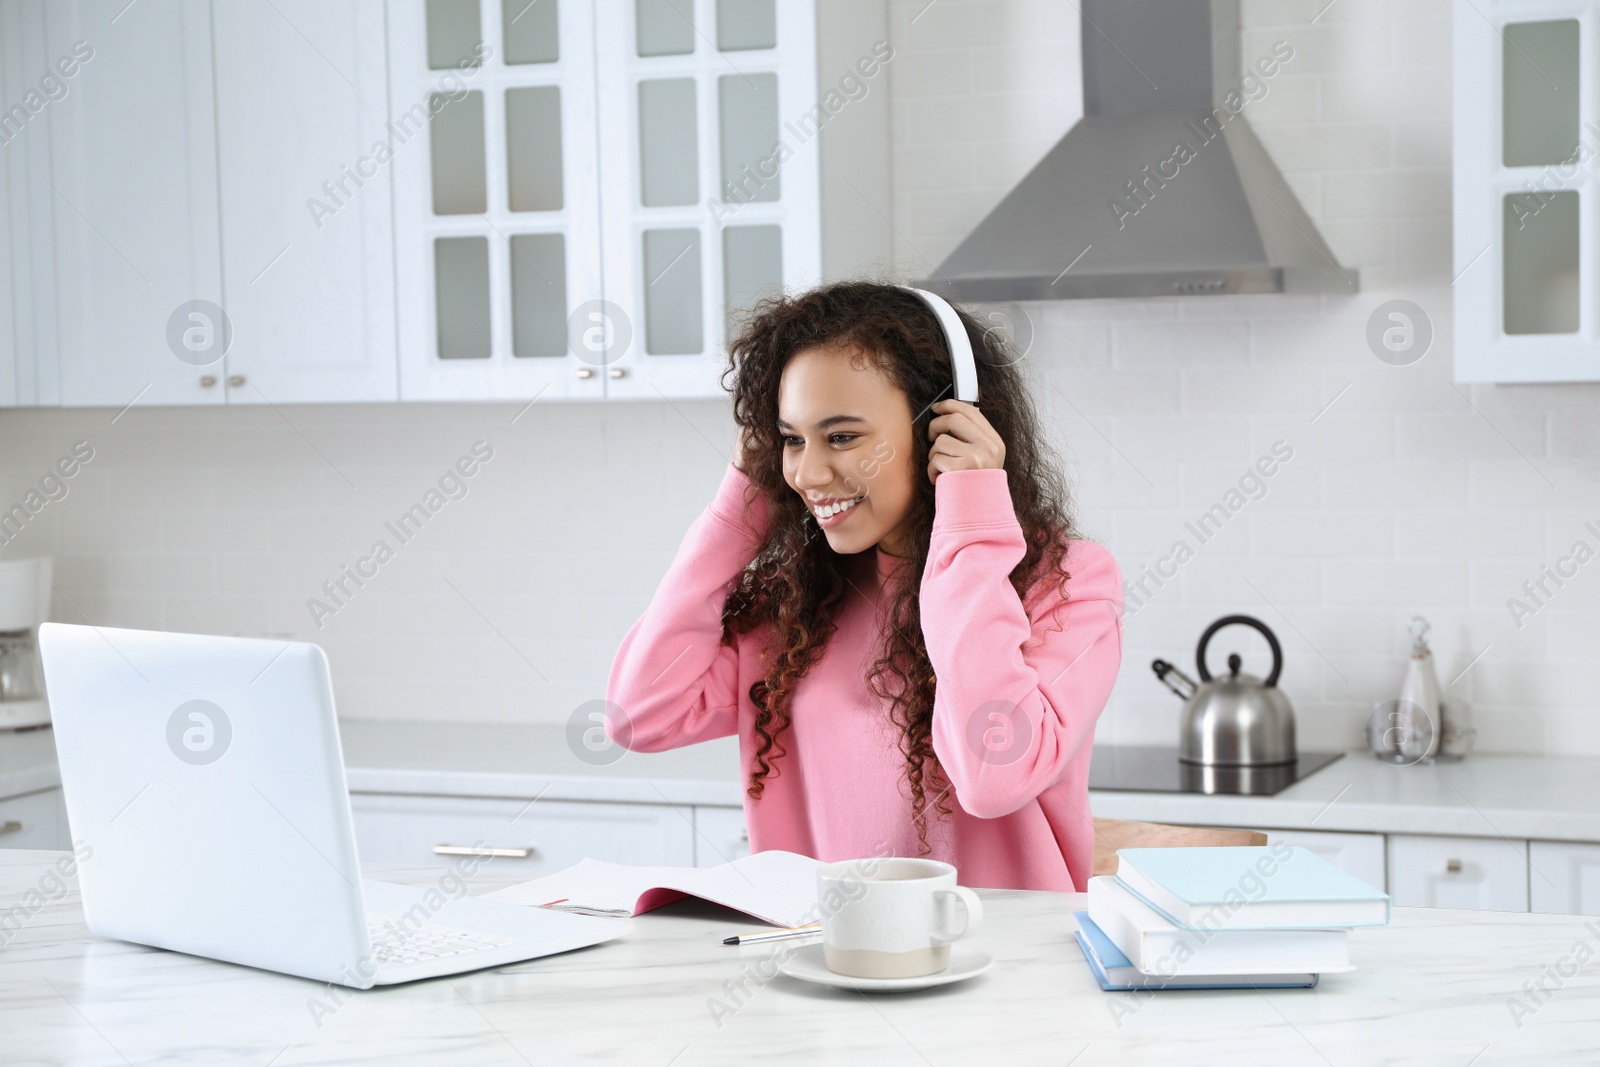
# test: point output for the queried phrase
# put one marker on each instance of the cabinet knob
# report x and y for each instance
(1452, 866)
(619, 372)
(586, 372)
(744, 835)
(207, 381)
(492, 853)
(235, 380)
(11, 826)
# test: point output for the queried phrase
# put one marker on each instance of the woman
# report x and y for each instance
(886, 602)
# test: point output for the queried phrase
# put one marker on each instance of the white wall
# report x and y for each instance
(1407, 494)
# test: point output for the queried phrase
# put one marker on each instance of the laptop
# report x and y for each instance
(205, 789)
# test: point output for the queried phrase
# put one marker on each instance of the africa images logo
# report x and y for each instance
(198, 732)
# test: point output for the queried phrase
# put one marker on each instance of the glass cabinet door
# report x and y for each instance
(497, 205)
(709, 120)
(1539, 129)
(1526, 157)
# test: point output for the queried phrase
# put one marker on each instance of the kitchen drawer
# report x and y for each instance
(1359, 854)
(404, 829)
(1564, 877)
(34, 820)
(1488, 873)
(719, 836)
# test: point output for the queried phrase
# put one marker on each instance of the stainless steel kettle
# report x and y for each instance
(1237, 721)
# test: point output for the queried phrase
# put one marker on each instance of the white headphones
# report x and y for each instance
(955, 336)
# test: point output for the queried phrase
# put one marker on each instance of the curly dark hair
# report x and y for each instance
(797, 582)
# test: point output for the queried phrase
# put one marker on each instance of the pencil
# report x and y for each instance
(774, 935)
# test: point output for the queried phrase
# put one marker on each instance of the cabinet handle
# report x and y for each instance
(744, 835)
(235, 380)
(207, 381)
(493, 853)
(1452, 866)
(619, 372)
(11, 826)
(586, 372)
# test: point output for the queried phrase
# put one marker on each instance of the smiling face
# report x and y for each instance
(846, 433)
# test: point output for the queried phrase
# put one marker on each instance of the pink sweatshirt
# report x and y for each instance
(1020, 683)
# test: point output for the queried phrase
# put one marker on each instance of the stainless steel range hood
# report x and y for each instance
(1162, 188)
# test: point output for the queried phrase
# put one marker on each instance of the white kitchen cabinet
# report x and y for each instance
(307, 237)
(664, 118)
(1527, 239)
(1359, 854)
(220, 153)
(1458, 872)
(27, 206)
(496, 199)
(719, 835)
(536, 837)
(1564, 877)
(133, 184)
(34, 820)
(9, 200)
(709, 123)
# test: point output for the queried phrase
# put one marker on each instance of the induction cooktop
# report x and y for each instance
(1142, 769)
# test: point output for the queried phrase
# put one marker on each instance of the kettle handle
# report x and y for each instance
(1246, 620)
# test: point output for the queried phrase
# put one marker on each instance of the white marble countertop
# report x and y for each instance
(1555, 798)
(535, 760)
(1431, 988)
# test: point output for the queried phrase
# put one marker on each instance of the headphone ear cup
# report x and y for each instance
(964, 368)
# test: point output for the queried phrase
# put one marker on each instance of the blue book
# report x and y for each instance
(1116, 974)
(1256, 887)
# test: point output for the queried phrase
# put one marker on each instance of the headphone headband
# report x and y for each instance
(955, 336)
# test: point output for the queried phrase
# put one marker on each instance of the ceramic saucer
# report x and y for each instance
(807, 964)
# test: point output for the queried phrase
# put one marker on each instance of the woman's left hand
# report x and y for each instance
(963, 440)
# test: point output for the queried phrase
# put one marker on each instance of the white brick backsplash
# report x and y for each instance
(1181, 344)
(1205, 484)
(1422, 242)
(1473, 435)
(1502, 483)
(1572, 633)
(1312, 340)
(1328, 146)
(1392, 486)
(1119, 392)
(1319, 534)
(1324, 47)
(1338, 433)
(1238, 390)
(1202, 437)
(1409, 584)
(1536, 584)
(1222, 580)
(1388, 193)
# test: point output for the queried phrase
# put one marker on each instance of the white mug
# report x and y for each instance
(892, 917)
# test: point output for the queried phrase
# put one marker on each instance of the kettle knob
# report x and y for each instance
(1234, 663)
(1244, 620)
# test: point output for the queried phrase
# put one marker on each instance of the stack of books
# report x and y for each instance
(1270, 916)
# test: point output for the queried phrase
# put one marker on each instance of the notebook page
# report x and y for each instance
(776, 887)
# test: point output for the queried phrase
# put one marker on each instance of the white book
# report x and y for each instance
(1157, 946)
(774, 886)
(1262, 887)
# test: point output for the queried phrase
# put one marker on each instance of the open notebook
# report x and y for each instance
(776, 887)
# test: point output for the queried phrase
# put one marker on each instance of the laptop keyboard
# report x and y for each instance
(392, 944)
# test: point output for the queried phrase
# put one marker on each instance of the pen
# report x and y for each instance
(774, 935)
(579, 909)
